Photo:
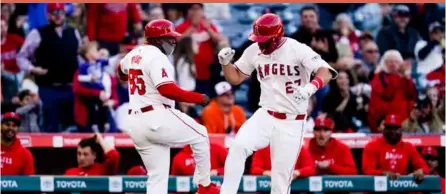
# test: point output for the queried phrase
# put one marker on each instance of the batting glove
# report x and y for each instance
(225, 55)
(304, 93)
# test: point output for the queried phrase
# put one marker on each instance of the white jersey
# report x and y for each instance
(147, 69)
(291, 63)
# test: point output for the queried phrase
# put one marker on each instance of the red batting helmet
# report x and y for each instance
(266, 27)
(160, 28)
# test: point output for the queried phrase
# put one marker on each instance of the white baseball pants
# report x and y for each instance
(285, 138)
(154, 132)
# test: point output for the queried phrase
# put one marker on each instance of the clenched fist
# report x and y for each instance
(205, 100)
(225, 55)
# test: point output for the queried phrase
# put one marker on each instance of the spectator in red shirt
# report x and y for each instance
(261, 163)
(330, 155)
(11, 44)
(393, 91)
(94, 158)
(107, 23)
(390, 156)
(206, 36)
(15, 159)
(183, 163)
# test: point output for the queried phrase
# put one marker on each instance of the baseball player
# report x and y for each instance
(284, 68)
(154, 125)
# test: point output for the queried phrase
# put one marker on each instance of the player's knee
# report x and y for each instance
(240, 148)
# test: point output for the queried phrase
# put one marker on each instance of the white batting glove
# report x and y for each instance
(225, 55)
(304, 93)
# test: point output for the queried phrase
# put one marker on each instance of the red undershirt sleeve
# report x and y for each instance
(173, 92)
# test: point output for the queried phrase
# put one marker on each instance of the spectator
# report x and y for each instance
(6, 10)
(77, 18)
(205, 34)
(15, 159)
(390, 156)
(17, 21)
(331, 156)
(436, 78)
(174, 12)
(183, 163)
(309, 17)
(221, 115)
(430, 54)
(91, 73)
(324, 44)
(393, 91)
(30, 110)
(436, 100)
(369, 58)
(364, 38)
(424, 14)
(54, 48)
(155, 13)
(137, 171)
(342, 105)
(399, 35)
(107, 23)
(430, 155)
(261, 164)
(343, 25)
(11, 44)
(95, 157)
(184, 63)
(424, 118)
(85, 118)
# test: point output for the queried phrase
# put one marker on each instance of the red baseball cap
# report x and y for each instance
(55, 7)
(11, 116)
(323, 122)
(429, 151)
(137, 171)
(393, 120)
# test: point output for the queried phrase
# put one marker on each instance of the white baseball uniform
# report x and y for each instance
(291, 63)
(154, 130)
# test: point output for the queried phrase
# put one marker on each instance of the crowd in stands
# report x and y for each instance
(58, 63)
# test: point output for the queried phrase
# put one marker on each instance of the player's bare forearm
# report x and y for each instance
(324, 74)
(232, 75)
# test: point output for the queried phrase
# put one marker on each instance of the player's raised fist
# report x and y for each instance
(225, 55)
(205, 101)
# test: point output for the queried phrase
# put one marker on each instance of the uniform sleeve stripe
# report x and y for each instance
(238, 69)
(164, 83)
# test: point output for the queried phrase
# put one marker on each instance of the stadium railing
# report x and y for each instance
(248, 184)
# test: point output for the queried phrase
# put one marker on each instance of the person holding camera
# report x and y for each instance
(95, 157)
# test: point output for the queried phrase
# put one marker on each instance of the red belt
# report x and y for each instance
(282, 116)
(148, 108)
